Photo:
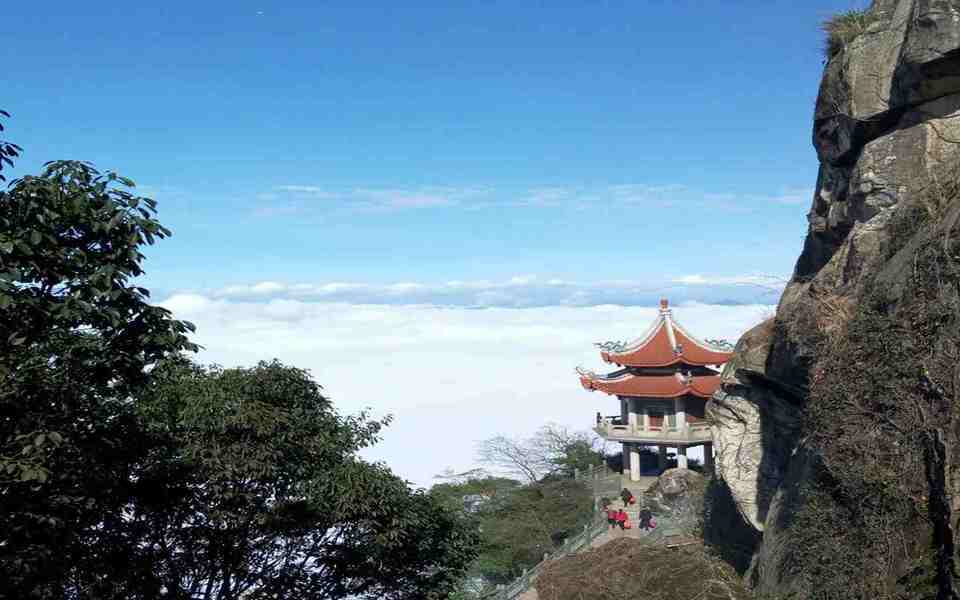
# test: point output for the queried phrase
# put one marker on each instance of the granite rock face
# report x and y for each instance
(887, 119)
(886, 126)
(750, 420)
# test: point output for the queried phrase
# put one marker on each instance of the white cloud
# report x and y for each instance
(277, 210)
(764, 281)
(521, 291)
(794, 197)
(311, 190)
(450, 375)
(290, 199)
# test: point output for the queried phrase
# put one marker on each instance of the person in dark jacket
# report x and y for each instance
(625, 495)
(645, 517)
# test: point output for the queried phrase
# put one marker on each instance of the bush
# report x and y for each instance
(842, 28)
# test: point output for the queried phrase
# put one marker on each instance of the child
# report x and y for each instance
(622, 519)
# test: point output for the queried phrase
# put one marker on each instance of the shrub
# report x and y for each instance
(842, 28)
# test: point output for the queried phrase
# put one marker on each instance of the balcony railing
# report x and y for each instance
(616, 428)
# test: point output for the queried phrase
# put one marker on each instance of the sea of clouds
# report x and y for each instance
(458, 366)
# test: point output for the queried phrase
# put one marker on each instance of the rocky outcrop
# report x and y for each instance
(678, 496)
(750, 421)
(887, 133)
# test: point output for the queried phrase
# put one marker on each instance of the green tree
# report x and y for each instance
(517, 523)
(531, 521)
(127, 472)
(8, 150)
(272, 502)
(459, 494)
(77, 339)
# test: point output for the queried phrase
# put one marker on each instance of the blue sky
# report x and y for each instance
(458, 198)
(427, 142)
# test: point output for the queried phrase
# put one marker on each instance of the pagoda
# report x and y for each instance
(663, 383)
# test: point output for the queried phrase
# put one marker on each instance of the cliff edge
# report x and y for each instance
(836, 423)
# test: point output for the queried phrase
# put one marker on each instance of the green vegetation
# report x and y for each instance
(517, 524)
(8, 150)
(842, 28)
(533, 520)
(127, 472)
(520, 522)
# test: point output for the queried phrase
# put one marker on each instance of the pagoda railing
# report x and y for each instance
(616, 428)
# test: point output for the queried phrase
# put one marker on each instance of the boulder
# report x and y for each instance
(678, 495)
(674, 484)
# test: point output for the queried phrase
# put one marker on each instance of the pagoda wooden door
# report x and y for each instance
(656, 418)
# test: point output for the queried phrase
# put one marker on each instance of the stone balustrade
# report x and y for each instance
(692, 433)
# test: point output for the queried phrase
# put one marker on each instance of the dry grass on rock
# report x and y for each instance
(627, 568)
(843, 27)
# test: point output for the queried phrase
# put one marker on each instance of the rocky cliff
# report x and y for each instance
(836, 424)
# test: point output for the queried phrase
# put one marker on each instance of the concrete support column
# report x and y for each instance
(634, 462)
(632, 414)
(662, 458)
(681, 457)
(681, 409)
(708, 456)
(644, 417)
(625, 456)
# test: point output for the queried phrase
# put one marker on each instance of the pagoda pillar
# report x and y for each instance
(681, 410)
(662, 458)
(681, 457)
(634, 462)
(632, 414)
(708, 456)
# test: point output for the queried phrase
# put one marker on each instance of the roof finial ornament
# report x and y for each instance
(664, 304)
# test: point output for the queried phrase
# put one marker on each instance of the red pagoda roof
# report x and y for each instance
(656, 386)
(665, 343)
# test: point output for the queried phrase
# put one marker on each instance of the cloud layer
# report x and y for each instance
(299, 198)
(451, 375)
(520, 292)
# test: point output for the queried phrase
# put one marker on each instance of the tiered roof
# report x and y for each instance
(624, 383)
(664, 344)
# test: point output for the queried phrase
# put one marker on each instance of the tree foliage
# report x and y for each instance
(530, 522)
(8, 150)
(76, 341)
(128, 472)
(273, 502)
(517, 523)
